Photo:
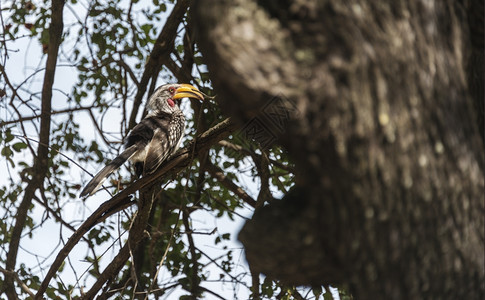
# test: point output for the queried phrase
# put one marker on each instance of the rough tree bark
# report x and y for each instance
(386, 141)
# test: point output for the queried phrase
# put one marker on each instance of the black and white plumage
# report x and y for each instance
(155, 138)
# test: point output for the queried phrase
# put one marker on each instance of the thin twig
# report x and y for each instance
(194, 286)
(15, 276)
(160, 264)
(57, 112)
(248, 152)
(219, 174)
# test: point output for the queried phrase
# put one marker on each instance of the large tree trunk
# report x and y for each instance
(384, 134)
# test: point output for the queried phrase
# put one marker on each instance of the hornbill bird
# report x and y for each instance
(155, 138)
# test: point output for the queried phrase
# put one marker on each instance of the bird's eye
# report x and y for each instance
(171, 90)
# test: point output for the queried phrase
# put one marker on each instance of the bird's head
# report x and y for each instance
(167, 97)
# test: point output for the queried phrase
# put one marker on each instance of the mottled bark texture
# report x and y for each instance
(389, 158)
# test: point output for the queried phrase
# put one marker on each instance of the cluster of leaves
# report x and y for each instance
(106, 46)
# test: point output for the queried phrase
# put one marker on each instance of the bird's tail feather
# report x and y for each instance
(98, 180)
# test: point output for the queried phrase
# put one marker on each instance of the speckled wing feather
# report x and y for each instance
(157, 151)
(164, 143)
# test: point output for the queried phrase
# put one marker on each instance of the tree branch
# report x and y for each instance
(179, 161)
(162, 48)
(255, 156)
(218, 174)
(56, 112)
(114, 267)
(194, 279)
(135, 237)
(263, 171)
(41, 161)
(15, 276)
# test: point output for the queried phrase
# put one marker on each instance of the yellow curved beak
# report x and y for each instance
(188, 91)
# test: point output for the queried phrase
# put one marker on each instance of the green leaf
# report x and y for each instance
(19, 146)
(6, 151)
(8, 136)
